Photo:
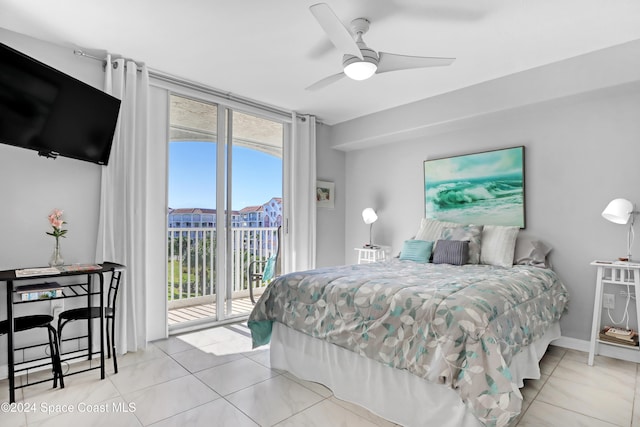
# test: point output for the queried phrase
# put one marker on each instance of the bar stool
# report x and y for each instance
(25, 323)
(86, 313)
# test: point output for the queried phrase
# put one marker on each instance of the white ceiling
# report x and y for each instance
(270, 51)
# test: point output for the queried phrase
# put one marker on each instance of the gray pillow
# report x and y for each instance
(455, 252)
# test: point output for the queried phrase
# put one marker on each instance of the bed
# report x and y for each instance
(416, 343)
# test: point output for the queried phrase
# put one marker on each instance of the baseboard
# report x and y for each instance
(572, 343)
(628, 354)
(80, 357)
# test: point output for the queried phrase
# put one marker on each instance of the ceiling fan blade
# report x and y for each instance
(325, 82)
(394, 62)
(337, 32)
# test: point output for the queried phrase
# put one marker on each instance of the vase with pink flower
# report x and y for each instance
(56, 221)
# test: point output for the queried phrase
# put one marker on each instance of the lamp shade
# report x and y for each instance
(369, 216)
(618, 211)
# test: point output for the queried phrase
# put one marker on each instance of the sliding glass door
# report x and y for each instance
(225, 203)
(255, 190)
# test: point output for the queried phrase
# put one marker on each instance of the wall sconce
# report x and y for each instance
(622, 211)
(369, 217)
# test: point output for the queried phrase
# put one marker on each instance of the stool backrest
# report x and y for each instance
(114, 285)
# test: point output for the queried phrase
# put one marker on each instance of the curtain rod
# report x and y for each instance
(216, 92)
(203, 88)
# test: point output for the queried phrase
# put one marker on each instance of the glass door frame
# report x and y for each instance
(223, 176)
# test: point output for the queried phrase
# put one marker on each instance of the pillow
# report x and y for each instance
(454, 252)
(538, 256)
(498, 245)
(470, 233)
(416, 250)
(430, 229)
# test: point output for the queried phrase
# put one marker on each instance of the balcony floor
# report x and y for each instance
(201, 311)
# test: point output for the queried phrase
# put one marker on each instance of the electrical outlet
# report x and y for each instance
(608, 301)
(57, 306)
(624, 294)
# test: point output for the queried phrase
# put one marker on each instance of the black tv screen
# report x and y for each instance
(53, 113)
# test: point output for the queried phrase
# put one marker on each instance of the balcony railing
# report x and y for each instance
(192, 259)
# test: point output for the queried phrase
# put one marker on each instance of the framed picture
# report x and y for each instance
(325, 194)
(483, 188)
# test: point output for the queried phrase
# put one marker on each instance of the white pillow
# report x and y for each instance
(430, 229)
(498, 245)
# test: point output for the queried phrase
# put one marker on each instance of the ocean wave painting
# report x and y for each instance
(482, 188)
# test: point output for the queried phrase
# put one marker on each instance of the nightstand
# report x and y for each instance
(619, 274)
(369, 255)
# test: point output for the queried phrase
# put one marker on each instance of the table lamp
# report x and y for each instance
(369, 217)
(622, 211)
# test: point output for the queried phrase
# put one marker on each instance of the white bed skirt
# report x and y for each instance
(393, 394)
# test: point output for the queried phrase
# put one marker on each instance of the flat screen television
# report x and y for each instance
(53, 113)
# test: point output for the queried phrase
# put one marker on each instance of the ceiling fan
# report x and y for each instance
(360, 61)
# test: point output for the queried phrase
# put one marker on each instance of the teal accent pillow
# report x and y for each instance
(416, 250)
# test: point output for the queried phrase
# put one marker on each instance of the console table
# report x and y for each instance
(9, 277)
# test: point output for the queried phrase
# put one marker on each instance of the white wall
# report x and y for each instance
(31, 187)
(330, 222)
(580, 153)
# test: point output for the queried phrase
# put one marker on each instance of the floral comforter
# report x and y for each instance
(459, 326)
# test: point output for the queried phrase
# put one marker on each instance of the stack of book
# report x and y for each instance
(619, 336)
(40, 291)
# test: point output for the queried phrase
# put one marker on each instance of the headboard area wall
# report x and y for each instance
(581, 152)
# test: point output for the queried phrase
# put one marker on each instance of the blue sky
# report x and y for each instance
(257, 177)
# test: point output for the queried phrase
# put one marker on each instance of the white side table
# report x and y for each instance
(613, 273)
(369, 255)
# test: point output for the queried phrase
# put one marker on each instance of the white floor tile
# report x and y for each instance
(173, 345)
(142, 355)
(113, 412)
(541, 414)
(201, 338)
(219, 413)
(315, 387)
(594, 402)
(238, 345)
(81, 389)
(274, 400)
(548, 363)
(326, 413)
(362, 412)
(170, 398)
(234, 376)
(202, 358)
(4, 390)
(262, 356)
(614, 377)
(142, 375)
(530, 390)
(13, 415)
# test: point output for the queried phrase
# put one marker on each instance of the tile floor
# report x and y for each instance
(213, 378)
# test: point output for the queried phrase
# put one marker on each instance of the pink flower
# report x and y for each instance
(56, 221)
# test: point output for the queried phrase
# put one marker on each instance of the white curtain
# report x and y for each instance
(300, 243)
(122, 227)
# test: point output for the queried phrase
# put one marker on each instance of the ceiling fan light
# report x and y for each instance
(360, 70)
